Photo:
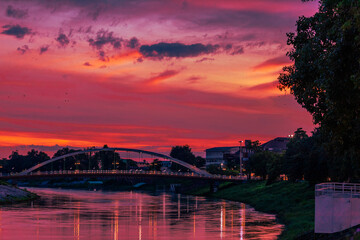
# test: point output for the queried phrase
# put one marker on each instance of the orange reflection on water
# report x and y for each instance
(242, 221)
(77, 221)
(78, 214)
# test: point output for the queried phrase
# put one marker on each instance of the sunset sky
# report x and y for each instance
(146, 74)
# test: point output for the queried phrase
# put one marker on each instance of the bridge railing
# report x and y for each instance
(136, 172)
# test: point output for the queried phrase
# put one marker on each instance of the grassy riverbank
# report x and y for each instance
(293, 203)
(11, 194)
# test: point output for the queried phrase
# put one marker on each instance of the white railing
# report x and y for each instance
(343, 189)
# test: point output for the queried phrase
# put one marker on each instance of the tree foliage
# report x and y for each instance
(325, 78)
(265, 164)
(183, 153)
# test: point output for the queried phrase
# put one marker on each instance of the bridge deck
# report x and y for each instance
(118, 173)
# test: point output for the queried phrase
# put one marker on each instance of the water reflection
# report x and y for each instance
(76, 214)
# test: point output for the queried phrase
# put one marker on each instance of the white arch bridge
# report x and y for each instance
(163, 156)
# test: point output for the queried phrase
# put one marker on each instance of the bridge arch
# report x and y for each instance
(174, 160)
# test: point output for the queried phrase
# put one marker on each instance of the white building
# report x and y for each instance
(216, 155)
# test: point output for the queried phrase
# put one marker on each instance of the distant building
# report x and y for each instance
(166, 165)
(218, 155)
(277, 145)
(143, 165)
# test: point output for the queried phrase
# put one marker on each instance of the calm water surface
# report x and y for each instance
(79, 214)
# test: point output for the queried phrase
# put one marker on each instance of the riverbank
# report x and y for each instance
(293, 203)
(11, 194)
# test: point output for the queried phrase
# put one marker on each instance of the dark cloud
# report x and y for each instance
(133, 43)
(139, 60)
(233, 50)
(193, 79)
(237, 50)
(23, 49)
(63, 40)
(94, 15)
(214, 19)
(104, 37)
(44, 49)
(16, 13)
(87, 64)
(205, 59)
(102, 56)
(16, 30)
(177, 50)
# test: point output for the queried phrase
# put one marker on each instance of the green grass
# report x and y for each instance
(293, 203)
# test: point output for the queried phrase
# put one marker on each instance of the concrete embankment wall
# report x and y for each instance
(335, 213)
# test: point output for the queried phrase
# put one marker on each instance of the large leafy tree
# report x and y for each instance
(325, 78)
(183, 153)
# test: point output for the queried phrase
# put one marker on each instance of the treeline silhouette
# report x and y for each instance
(105, 160)
(304, 159)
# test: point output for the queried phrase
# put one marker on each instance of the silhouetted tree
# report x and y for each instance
(182, 153)
(155, 165)
(325, 79)
(200, 161)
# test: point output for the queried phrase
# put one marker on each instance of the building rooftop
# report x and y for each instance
(220, 149)
(278, 144)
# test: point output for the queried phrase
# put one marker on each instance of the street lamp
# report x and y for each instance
(240, 157)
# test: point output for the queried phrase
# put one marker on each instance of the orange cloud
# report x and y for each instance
(273, 64)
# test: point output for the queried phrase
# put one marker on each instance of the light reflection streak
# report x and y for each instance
(242, 221)
(140, 219)
(77, 222)
(194, 226)
(222, 219)
(116, 221)
(221, 222)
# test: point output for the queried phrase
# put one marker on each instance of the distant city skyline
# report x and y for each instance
(145, 74)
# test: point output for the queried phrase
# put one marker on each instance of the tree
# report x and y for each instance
(306, 158)
(200, 161)
(296, 155)
(156, 165)
(260, 162)
(325, 79)
(18, 163)
(67, 163)
(182, 153)
(109, 160)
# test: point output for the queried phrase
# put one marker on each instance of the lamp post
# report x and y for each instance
(240, 158)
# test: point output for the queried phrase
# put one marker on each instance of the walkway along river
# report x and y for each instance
(81, 214)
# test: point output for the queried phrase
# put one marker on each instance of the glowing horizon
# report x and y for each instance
(149, 75)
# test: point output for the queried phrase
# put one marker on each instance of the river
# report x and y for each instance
(80, 214)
